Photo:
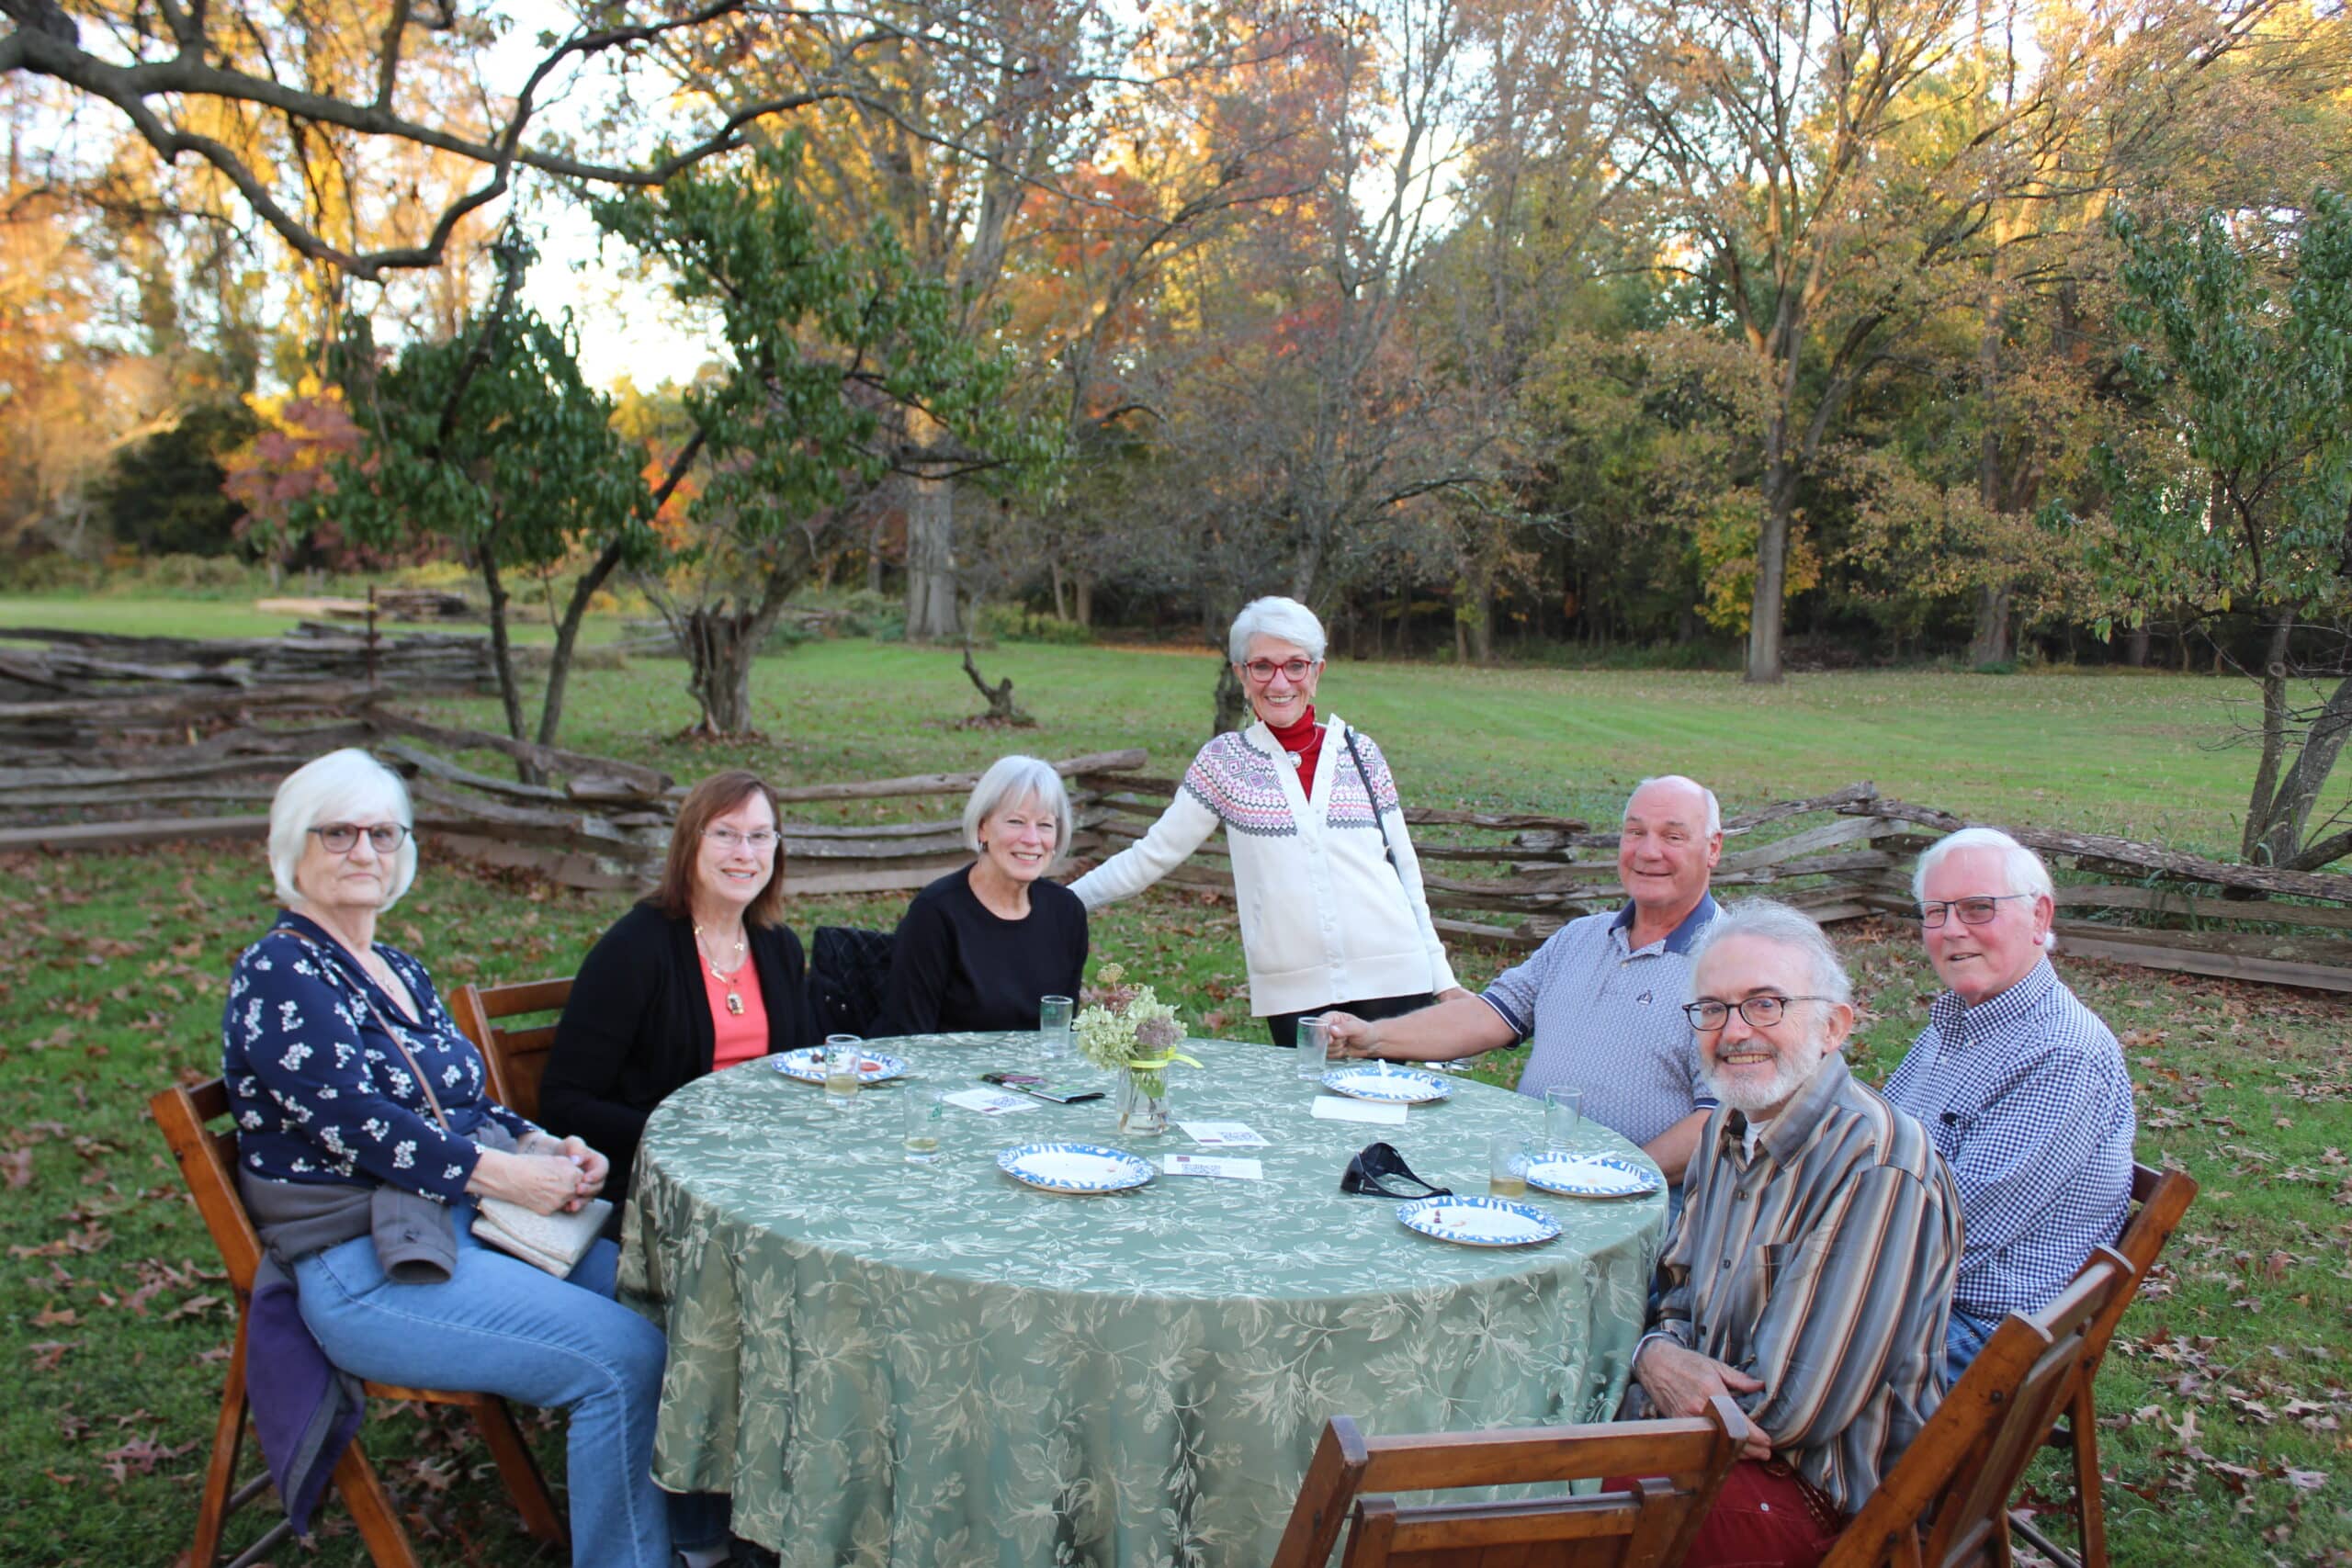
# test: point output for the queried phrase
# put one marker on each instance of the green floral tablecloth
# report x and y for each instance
(886, 1362)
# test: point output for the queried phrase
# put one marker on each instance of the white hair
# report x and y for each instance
(1285, 620)
(1715, 809)
(348, 785)
(1778, 924)
(1011, 781)
(2022, 869)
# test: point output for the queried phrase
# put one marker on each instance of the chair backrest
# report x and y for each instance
(516, 1057)
(1649, 1524)
(2161, 1198)
(1945, 1502)
(849, 969)
(208, 1162)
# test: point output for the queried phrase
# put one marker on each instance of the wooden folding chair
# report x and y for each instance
(2161, 1198)
(517, 1058)
(1649, 1525)
(208, 1161)
(1945, 1504)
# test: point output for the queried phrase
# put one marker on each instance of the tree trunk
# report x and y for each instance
(720, 645)
(1482, 630)
(1082, 598)
(1995, 638)
(1772, 573)
(502, 657)
(567, 637)
(999, 696)
(1055, 568)
(1231, 711)
(2291, 806)
(931, 547)
(2135, 646)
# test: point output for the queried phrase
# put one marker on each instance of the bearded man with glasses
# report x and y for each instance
(1809, 1277)
(2020, 1085)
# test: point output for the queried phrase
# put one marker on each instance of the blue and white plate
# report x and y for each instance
(1389, 1085)
(807, 1064)
(1479, 1221)
(1074, 1167)
(1591, 1176)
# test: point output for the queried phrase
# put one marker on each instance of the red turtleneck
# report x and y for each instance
(1304, 740)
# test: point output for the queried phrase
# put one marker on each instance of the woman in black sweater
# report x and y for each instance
(980, 946)
(702, 974)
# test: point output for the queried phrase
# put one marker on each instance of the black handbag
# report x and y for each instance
(849, 969)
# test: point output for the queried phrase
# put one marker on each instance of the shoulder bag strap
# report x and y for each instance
(1388, 850)
(398, 1043)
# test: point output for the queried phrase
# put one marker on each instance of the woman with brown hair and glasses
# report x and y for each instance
(700, 975)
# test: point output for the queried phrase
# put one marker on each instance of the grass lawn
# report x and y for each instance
(2229, 1407)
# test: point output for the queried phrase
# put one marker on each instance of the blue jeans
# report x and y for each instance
(498, 1325)
(1963, 1339)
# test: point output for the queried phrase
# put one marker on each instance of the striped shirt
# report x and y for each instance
(1607, 1018)
(2027, 1099)
(1821, 1266)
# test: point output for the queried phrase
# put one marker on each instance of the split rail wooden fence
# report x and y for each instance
(1505, 878)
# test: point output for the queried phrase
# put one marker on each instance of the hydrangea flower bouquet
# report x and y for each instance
(1129, 1030)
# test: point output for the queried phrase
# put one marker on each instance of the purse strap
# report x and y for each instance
(398, 1043)
(1388, 850)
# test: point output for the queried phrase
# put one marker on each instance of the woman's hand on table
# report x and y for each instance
(541, 1182)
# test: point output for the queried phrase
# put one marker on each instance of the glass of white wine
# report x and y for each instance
(1507, 1166)
(926, 1110)
(844, 1054)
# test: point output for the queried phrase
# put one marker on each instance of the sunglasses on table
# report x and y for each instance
(1372, 1168)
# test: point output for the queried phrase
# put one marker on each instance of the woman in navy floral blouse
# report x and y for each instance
(323, 1042)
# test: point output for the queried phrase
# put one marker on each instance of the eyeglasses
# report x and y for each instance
(1373, 1161)
(1973, 911)
(1760, 1012)
(340, 836)
(1262, 669)
(762, 840)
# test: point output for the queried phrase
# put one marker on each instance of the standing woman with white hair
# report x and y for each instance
(980, 946)
(1332, 912)
(365, 1135)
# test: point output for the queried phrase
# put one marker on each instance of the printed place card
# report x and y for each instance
(990, 1102)
(1232, 1170)
(1223, 1134)
(1339, 1108)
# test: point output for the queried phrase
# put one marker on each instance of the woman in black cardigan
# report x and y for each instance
(702, 974)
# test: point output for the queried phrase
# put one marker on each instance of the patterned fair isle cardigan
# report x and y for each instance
(1324, 919)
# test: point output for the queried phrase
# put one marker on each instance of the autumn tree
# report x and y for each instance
(831, 348)
(2240, 497)
(491, 442)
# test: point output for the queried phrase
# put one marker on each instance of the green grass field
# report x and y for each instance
(2229, 1409)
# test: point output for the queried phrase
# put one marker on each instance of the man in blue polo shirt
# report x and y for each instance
(1602, 998)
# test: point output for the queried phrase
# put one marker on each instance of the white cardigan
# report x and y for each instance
(1324, 921)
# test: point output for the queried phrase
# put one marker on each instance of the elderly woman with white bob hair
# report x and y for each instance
(980, 946)
(1332, 913)
(365, 1135)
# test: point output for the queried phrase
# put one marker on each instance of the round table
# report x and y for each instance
(888, 1362)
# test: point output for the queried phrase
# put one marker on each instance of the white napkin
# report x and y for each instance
(1339, 1108)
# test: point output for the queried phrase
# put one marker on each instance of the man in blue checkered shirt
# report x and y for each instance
(2020, 1085)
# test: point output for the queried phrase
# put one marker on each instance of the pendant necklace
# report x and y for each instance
(727, 976)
